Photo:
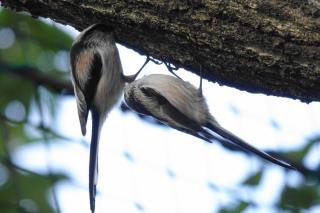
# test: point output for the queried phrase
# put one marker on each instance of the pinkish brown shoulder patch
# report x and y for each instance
(83, 64)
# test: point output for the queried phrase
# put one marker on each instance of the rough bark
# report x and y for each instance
(270, 47)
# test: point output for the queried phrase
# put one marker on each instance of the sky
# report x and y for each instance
(148, 168)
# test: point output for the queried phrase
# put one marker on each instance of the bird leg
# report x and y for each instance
(171, 69)
(200, 85)
(131, 78)
(155, 60)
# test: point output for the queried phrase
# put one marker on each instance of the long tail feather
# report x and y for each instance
(209, 137)
(245, 146)
(93, 159)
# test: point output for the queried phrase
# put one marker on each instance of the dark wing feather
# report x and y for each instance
(82, 108)
(168, 114)
(159, 107)
(86, 72)
(95, 70)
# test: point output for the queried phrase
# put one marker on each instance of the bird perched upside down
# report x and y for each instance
(98, 84)
(181, 106)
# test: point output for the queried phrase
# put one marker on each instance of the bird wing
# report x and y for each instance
(148, 101)
(180, 94)
(82, 108)
(155, 104)
(86, 68)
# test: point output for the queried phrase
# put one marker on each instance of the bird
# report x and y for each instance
(98, 83)
(181, 106)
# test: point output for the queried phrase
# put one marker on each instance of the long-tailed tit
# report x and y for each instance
(98, 82)
(181, 106)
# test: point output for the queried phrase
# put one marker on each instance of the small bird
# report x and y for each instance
(180, 105)
(98, 82)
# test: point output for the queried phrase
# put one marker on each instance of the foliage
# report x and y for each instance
(27, 43)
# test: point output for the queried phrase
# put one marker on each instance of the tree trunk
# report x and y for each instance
(270, 47)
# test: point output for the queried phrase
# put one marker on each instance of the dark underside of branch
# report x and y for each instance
(270, 47)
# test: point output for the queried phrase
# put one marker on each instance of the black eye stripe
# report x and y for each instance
(146, 92)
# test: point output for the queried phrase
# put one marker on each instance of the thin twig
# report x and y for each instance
(43, 128)
(39, 78)
(45, 138)
(13, 173)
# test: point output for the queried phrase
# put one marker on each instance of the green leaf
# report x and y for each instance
(36, 43)
(13, 88)
(31, 29)
(302, 197)
(301, 153)
(22, 187)
(240, 207)
(254, 179)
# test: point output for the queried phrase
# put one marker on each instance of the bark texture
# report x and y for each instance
(270, 47)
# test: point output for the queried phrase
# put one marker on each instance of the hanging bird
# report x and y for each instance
(98, 83)
(181, 106)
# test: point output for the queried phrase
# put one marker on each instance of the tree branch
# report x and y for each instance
(270, 47)
(39, 78)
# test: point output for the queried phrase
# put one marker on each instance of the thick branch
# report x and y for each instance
(272, 47)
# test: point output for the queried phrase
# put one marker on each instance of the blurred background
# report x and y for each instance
(143, 165)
